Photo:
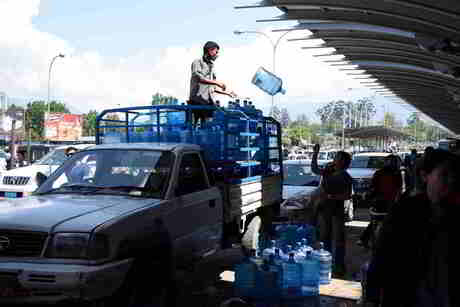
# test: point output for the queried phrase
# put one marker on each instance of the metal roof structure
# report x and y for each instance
(409, 49)
(372, 132)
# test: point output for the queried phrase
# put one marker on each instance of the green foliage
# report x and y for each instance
(159, 99)
(89, 123)
(35, 113)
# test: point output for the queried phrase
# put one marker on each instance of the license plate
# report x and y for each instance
(11, 194)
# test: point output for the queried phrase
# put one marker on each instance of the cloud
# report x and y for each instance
(87, 80)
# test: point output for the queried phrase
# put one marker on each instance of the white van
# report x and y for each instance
(20, 182)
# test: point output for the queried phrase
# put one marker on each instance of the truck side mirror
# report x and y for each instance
(40, 178)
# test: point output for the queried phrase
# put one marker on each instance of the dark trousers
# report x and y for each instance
(332, 234)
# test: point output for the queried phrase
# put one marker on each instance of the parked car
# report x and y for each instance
(3, 160)
(362, 168)
(300, 190)
(20, 182)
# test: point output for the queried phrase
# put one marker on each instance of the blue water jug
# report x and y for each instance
(270, 250)
(310, 275)
(292, 278)
(277, 267)
(246, 277)
(325, 264)
(267, 290)
(268, 82)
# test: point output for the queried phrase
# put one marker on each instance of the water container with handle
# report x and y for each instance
(325, 264)
(245, 277)
(310, 275)
(292, 278)
(268, 82)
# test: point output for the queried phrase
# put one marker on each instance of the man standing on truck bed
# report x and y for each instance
(203, 82)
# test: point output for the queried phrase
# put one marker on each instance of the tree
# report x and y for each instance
(389, 120)
(35, 114)
(284, 118)
(89, 123)
(160, 99)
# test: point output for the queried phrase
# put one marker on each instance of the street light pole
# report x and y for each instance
(60, 55)
(274, 48)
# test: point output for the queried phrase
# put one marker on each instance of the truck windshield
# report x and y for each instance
(55, 157)
(113, 171)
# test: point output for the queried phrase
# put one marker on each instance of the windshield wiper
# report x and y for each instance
(119, 188)
(74, 187)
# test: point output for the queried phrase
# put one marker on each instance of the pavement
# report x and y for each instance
(210, 282)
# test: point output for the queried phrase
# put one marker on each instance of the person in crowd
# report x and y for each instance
(70, 151)
(413, 263)
(20, 159)
(419, 171)
(204, 84)
(336, 186)
(385, 190)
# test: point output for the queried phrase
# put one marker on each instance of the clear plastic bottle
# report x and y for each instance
(292, 278)
(325, 264)
(310, 275)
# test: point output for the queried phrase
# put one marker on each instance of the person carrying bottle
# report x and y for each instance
(336, 186)
(204, 84)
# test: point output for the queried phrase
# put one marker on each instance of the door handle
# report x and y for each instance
(212, 203)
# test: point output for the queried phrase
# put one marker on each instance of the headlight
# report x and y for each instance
(78, 246)
(68, 245)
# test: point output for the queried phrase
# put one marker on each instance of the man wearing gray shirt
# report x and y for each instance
(204, 84)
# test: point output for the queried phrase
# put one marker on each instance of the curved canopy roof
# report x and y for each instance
(402, 48)
(372, 132)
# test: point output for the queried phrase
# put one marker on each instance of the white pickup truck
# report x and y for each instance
(109, 225)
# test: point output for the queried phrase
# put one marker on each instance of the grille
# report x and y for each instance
(20, 243)
(16, 180)
(361, 184)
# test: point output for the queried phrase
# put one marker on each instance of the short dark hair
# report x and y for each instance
(210, 45)
(345, 157)
(68, 149)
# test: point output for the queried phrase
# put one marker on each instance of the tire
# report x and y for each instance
(138, 288)
(250, 238)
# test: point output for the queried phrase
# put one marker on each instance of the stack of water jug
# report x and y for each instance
(275, 274)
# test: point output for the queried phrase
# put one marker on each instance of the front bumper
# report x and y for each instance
(51, 283)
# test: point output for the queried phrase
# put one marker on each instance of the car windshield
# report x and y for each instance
(54, 157)
(142, 173)
(298, 174)
(367, 162)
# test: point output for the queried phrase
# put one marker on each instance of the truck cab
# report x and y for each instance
(153, 193)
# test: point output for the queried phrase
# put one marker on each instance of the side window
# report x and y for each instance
(191, 175)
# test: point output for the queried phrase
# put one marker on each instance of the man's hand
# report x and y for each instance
(222, 86)
(316, 148)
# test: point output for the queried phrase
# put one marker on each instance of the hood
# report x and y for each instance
(31, 170)
(361, 172)
(54, 212)
(295, 191)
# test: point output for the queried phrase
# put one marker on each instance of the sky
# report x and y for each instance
(119, 53)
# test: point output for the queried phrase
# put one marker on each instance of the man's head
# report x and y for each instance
(70, 151)
(442, 170)
(342, 160)
(211, 51)
(413, 151)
